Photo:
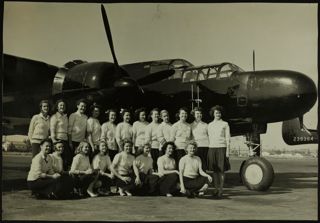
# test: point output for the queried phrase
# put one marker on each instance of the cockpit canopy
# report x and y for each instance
(205, 72)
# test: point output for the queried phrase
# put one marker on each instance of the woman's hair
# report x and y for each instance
(165, 146)
(55, 109)
(137, 113)
(181, 109)
(196, 109)
(44, 102)
(216, 108)
(93, 106)
(193, 143)
(151, 112)
(147, 144)
(124, 111)
(109, 111)
(127, 141)
(80, 146)
(45, 140)
(82, 100)
(56, 143)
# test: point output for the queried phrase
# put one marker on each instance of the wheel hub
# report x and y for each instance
(254, 174)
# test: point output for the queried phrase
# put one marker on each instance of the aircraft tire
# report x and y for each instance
(257, 174)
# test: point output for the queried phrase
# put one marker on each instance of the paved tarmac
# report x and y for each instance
(293, 196)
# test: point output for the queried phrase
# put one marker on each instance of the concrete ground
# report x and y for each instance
(293, 196)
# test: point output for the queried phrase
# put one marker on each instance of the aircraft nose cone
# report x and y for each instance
(306, 91)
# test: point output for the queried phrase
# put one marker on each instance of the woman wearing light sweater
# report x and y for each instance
(151, 136)
(192, 177)
(219, 147)
(39, 127)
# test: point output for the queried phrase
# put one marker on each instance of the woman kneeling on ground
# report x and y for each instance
(102, 163)
(146, 180)
(65, 186)
(84, 176)
(192, 178)
(122, 168)
(42, 180)
(167, 171)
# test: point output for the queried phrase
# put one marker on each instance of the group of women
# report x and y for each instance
(141, 159)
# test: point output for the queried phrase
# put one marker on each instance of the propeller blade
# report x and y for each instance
(154, 77)
(109, 36)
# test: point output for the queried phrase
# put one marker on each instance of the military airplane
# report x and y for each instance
(251, 99)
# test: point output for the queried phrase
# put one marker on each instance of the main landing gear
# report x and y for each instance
(256, 172)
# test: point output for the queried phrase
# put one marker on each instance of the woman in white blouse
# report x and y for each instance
(108, 133)
(124, 129)
(139, 128)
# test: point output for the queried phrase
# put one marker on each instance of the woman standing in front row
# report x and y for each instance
(181, 134)
(124, 129)
(151, 136)
(59, 132)
(167, 171)
(200, 135)
(164, 130)
(39, 127)
(108, 133)
(219, 146)
(138, 129)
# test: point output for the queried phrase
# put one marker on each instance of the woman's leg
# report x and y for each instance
(168, 183)
(43, 186)
(194, 185)
(155, 155)
(202, 152)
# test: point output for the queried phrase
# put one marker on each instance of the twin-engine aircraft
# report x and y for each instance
(251, 99)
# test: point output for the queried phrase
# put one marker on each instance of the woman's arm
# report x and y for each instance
(70, 127)
(136, 172)
(202, 173)
(31, 127)
(227, 134)
(118, 137)
(181, 171)
(53, 123)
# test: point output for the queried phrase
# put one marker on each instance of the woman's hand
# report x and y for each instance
(43, 175)
(88, 171)
(56, 175)
(137, 181)
(209, 178)
(125, 179)
(177, 172)
(183, 190)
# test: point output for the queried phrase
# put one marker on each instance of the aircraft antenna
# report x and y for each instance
(254, 61)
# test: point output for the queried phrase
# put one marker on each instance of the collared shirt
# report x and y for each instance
(80, 162)
(164, 131)
(123, 131)
(181, 134)
(190, 166)
(144, 163)
(138, 129)
(39, 128)
(94, 128)
(101, 162)
(108, 133)
(166, 163)
(57, 163)
(39, 165)
(151, 135)
(123, 163)
(219, 134)
(77, 126)
(59, 126)
(200, 133)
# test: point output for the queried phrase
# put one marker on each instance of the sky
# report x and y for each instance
(284, 36)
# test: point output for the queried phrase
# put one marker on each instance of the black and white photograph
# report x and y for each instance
(159, 111)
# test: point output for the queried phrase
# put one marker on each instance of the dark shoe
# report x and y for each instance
(190, 194)
(219, 195)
